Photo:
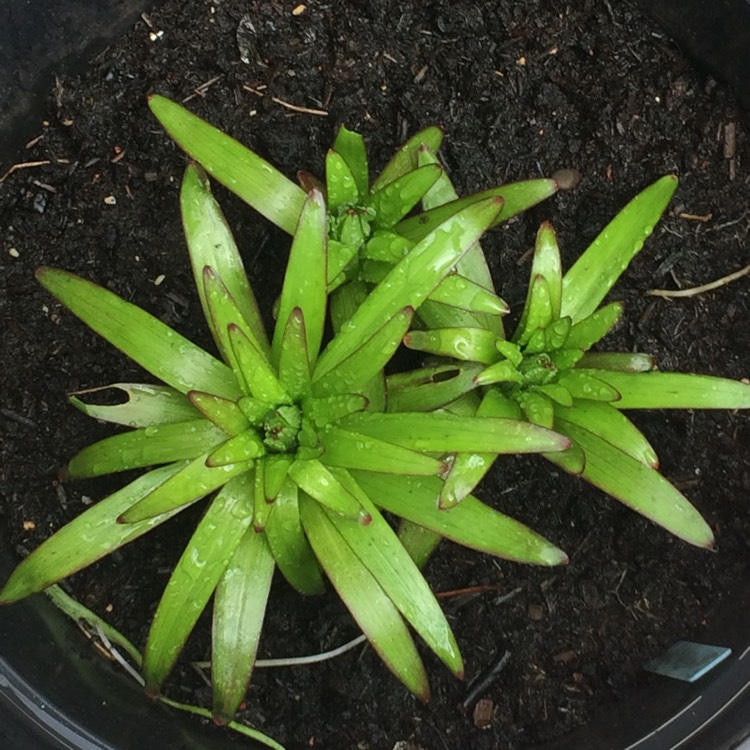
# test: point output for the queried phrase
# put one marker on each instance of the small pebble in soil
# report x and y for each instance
(567, 179)
(535, 612)
(483, 713)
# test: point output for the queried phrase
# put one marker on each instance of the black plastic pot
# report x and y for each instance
(55, 692)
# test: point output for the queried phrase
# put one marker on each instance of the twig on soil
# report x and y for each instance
(479, 589)
(203, 88)
(23, 165)
(17, 418)
(485, 680)
(288, 105)
(692, 292)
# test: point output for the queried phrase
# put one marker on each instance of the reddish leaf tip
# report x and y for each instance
(152, 691)
(365, 518)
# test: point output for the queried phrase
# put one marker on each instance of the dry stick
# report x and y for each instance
(723, 281)
(24, 165)
(485, 680)
(294, 107)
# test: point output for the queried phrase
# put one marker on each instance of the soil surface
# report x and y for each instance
(522, 90)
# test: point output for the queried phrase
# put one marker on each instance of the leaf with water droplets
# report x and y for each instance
(622, 361)
(537, 407)
(256, 372)
(142, 337)
(367, 361)
(471, 523)
(317, 481)
(587, 283)
(380, 551)
(393, 201)
(405, 159)
(225, 414)
(586, 384)
(458, 291)
(146, 405)
(306, 277)
(675, 390)
(430, 388)
(351, 146)
(516, 197)
(350, 450)
(194, 579)
(536, 316)
(363, 596)
(341, 186)
(639, 487)
(410, 281)
(294, 363)
(290, 547)
(587, 332)
(235, 166)
(239, 611)
(467, 344)
(210, 243)
(608, 423)
(192, 482)
(87, 538)
(449, 433)
(243, 447)
(148, 446)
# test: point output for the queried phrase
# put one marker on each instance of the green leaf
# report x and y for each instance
(243, 447)
(328, 409)
(624, 361)
(275, 474)
(674, 390)
(210, 243)
(448, 433)
(370, 606)
(587, 384)
(256, 372)
(225, 414)
(537, 408)
(239, 610)
(142, 337)
(317, 481)
(458, 291)
(306, 277)
(380, 552)
(410, 282)
(289, 545)
(501, 372)
(387, 247)
(471, 523)
(556, 334)
(365, 363)
(340, 183)
(405, 159)
(146, 405)
(585, 333)
(516, 197)
(430, 388)
(467, 344)
(350, 450)
(240, 170)
(468, 469)
(87, 538)
(194, 579)
(537, 312)
(148, 446)
(294, 362)
(190, 483)
(547, 264)
(261, 508)
(394, 200)
(351, 146)
(608, 423)
(639, 487)
(587, 283)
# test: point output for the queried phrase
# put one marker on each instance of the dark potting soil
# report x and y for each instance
(522, 90)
